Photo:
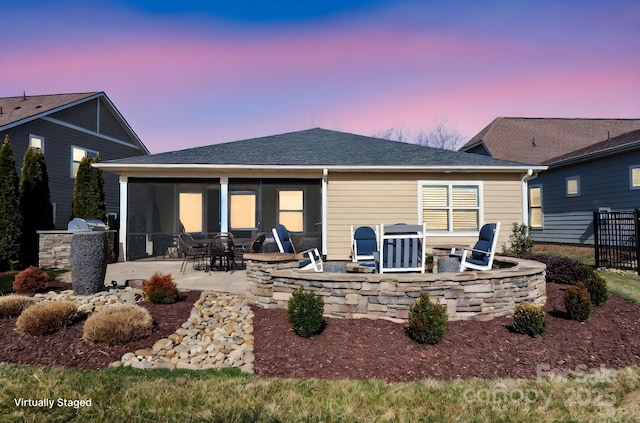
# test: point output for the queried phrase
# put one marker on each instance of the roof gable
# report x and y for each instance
(538, 140)
(16, 111)
(317, 148)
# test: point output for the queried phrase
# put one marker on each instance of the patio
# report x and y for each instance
(232, 282)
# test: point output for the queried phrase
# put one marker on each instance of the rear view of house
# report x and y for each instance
(66, 128)
(318, 183)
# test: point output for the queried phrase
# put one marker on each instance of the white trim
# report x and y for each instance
(224, 204)
(86, 131)
(124, 188)
(450, 184)
(343, 168)
(324, 194)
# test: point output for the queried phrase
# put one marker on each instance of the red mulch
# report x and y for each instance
(361, 349)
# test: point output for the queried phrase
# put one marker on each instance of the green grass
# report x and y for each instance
(625, 286)
(128, 395)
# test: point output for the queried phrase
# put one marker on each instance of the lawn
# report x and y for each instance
(129, 395)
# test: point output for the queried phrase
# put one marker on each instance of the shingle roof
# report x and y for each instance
(16, 109)
(629, 140)
(537, 140)
(317, 147)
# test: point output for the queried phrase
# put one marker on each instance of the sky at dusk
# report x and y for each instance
(197, 72)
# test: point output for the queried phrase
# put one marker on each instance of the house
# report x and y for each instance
(318, 183)
(592, 164)
(66, 128)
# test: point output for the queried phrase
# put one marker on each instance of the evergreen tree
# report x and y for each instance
(88, 192)
(35, 204)
(10, 218)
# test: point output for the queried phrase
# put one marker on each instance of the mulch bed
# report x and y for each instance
(362, 349)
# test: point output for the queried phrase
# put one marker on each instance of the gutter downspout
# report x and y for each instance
(325, 183)
(525, 194)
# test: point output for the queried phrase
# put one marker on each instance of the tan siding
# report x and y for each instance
(372, 199)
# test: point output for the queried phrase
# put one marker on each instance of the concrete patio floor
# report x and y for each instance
(234, 282)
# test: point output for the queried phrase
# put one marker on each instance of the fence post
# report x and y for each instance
(596, 243)
(636, 217)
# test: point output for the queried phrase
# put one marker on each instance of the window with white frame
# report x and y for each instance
(242, 210)
(634, 177)
(535, 206)
(77, 154)
(451, 206)
(573, 186)
(37, 143)
(291, 210)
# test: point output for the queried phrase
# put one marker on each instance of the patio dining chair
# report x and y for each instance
(189, 249)
(222, 247)
(285, 245)
(480, 257)
(364, 241)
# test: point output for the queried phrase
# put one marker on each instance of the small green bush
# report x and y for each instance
(521, 242)
(118, 325)
(578, 302)
(160, 289)
(13, 305)
(305, 312)
(529, 319)
(47, 317)
(596, 284)
(427, 321)
(31, 280)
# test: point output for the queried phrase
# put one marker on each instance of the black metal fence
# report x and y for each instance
(616, 239)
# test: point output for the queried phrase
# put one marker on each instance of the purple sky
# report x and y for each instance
(191, 73)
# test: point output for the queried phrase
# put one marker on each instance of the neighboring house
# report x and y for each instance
(318, 183)
(593, 164)
(66, 128)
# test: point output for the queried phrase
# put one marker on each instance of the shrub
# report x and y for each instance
(32, 279)
(521, 242)
(596, 284)
(13, 305)
(559, 269)
(578, 302)
(160, 289)
(305, 312)
(427, 321)
(118, 325)
(529, 319)
(47, 317)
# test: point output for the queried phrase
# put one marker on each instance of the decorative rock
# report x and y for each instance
(89, 256)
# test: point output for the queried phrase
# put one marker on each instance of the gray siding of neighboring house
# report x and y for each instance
(604, 182)
(58, 141)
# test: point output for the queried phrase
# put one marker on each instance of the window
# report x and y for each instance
(37, 143)
(634, 177)
(573, 186)
(451, 207)
(191, 211)
(242, 210)
(535, 207)
(78, 154)
(291, 210)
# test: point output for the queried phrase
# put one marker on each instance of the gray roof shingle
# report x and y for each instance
(317, 147)
(16, 109)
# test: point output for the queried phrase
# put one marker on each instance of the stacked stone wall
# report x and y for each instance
(55, 249)
(467, 295)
